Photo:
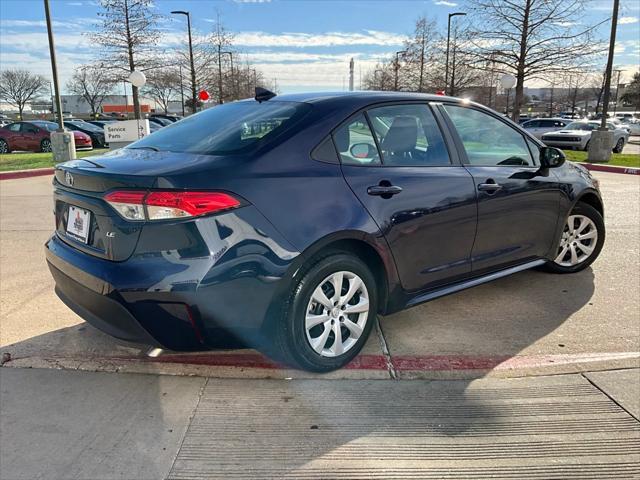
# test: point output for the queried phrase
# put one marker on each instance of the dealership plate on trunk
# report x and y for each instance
(78, 223)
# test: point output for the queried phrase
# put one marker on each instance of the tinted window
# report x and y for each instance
(29, 128)
(355, 143)
(487, 140)
(49, 126)
(408, 135)
(14, 127)
(226, 129)
(532, 124)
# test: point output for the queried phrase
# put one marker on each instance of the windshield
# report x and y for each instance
(86, 126)
(226, 129)
(581, 126)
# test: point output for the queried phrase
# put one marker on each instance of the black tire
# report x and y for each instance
(4, 146)
(593, 214)
(290, 343)
(45, 145)
(586, 146)
(619, 146)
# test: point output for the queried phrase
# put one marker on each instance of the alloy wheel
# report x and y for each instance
(4, 148)
(619, 145)
(336, 314)
(578, 241)
(46, 145)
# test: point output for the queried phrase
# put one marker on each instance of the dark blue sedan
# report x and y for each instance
(289, 222)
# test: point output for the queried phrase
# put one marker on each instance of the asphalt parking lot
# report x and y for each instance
(529, 323)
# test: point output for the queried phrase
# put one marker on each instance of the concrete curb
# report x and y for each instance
(610, 168)
(36, 172)
(254, 365)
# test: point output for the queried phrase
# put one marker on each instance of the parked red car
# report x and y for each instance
(34, 136)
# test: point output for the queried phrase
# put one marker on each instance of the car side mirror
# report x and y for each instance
(362, 150)
(551, 157)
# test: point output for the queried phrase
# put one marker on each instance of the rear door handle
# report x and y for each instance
(384, 190)
(490, 186)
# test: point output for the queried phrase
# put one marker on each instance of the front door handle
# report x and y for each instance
(384, 191)
(490, 186)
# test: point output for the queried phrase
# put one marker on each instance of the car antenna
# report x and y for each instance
(262, 94)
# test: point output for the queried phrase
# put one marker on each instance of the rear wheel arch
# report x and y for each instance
(370, 256)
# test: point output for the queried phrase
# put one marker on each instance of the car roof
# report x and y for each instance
(360, 97)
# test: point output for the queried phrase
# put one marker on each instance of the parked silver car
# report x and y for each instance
(540, 126)
(577, 135)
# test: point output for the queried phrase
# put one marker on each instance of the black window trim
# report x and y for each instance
(449, 141)
(460, 145)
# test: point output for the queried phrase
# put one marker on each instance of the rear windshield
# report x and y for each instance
(226, 129)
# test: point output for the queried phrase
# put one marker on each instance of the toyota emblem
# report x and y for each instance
(68, 178)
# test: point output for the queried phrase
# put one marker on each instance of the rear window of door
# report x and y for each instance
(408, 136)
(355, 144)
(487, 140)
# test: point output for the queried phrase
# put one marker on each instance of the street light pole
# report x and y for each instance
(396, 68)
(446, 64)
(193, 68)
(615, 105)
(181, 89)
(232, 82)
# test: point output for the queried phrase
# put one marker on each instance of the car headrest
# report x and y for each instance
(402, 135)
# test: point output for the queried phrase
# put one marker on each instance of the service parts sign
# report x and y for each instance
(126, 131)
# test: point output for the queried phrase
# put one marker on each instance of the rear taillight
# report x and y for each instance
(139, 205)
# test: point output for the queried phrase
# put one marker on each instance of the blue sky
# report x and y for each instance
(304, 44)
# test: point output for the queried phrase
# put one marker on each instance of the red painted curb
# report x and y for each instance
(26, 173)
(610, 169)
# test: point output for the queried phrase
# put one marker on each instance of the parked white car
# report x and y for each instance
(576, 136)
(633, 127)
(539, 126)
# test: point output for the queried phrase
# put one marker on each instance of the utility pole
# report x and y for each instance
(446, 64)
(601, 140)
(62, 143)
(351, 75)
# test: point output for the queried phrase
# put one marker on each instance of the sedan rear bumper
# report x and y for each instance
(101, 311)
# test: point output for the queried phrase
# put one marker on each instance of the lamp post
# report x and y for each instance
(615, 105)
(446, 65)
(396, 68)
(381, 77)
(232, 82)
(193, 68)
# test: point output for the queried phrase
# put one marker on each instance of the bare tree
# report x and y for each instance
(163, 86)
(421, 50)
(530, 38)
(17, 87)
(92, 83)
(127, 33)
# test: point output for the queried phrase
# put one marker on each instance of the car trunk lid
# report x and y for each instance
(86, 221)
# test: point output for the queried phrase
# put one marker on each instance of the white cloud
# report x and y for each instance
(330, 39)
(445, 3)
(627, 20)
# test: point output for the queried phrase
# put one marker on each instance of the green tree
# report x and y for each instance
(632, 92)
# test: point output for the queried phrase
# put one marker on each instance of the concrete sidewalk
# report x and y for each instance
(80, 425)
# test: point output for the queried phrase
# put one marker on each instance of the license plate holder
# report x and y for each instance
(78, 222)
